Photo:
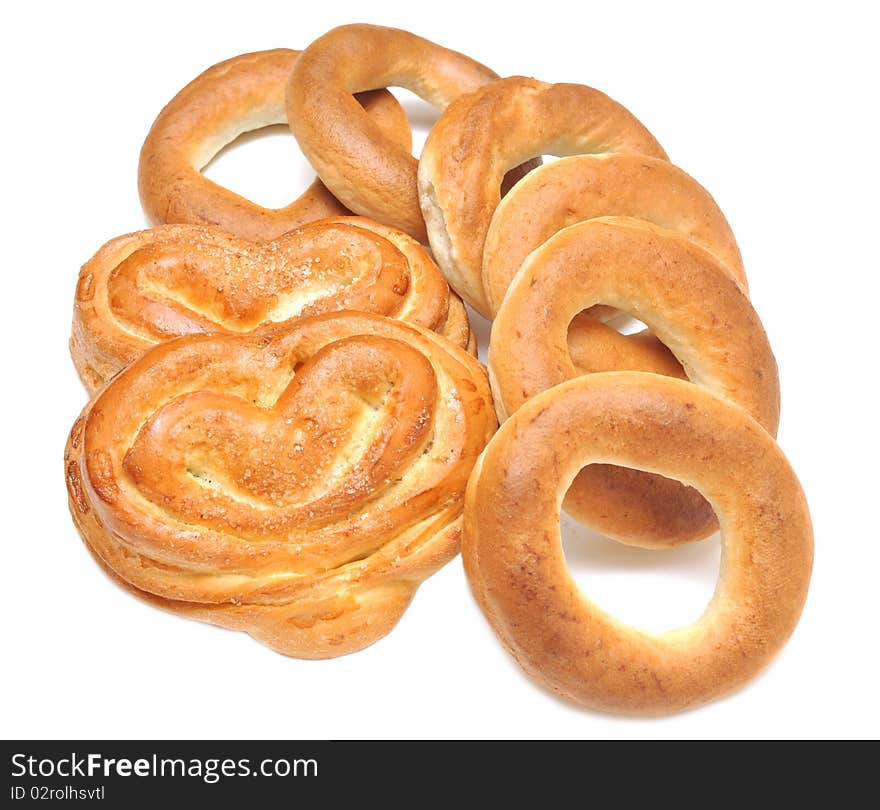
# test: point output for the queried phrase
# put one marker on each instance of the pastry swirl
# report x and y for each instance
(298, 484)
(154, 285)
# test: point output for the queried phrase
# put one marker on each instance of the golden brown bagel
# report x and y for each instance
(147, 287)
(482, 135)
(686, 298)
(574, 189)
(236, 96)
(297, 484)
(371, 173)
(514, 560)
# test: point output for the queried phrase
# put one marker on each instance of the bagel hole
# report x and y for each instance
(595, 344)
(625, 323)
(518, 172)
(264, 166)
(618, 319)
(421, 115)
(654, 590)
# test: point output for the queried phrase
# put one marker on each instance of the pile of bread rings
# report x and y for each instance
(289, 429)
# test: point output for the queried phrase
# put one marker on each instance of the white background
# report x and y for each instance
(772, 108)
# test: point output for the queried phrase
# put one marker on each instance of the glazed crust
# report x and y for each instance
(517, 571)
(689, 301)
(237, 96)
(298, 484)
(485, 133)
(147, 287)
(369, 171)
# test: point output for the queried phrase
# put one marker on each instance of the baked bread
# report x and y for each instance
(482, 135)
(574, 189)
(297, 484)
(143, 288)
(699, 316)
(239, 95)
(515, 564)
(366, 168)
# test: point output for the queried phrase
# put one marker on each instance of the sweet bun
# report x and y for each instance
(297, 484)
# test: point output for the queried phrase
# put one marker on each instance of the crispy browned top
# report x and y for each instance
(154, 285)
(318, 460)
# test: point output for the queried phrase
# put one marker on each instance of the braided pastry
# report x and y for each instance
(482, 135)
(236, 96)
(670, 427)
(147, 287)
(297, 484)
(687, 299)
(371, 172)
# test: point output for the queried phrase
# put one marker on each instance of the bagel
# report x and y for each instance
(581, 187)
(482, 135)
(239, 95)
(369, 171)
(687, 299)
(515, 564)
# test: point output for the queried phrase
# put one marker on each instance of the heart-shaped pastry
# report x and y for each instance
(154, 285)
(298, 483)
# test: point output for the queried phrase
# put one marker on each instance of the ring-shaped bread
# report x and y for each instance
(372, 173)
(482, 135)
(240, 95)
(515, 563)
(573, 189)
(688, 300)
